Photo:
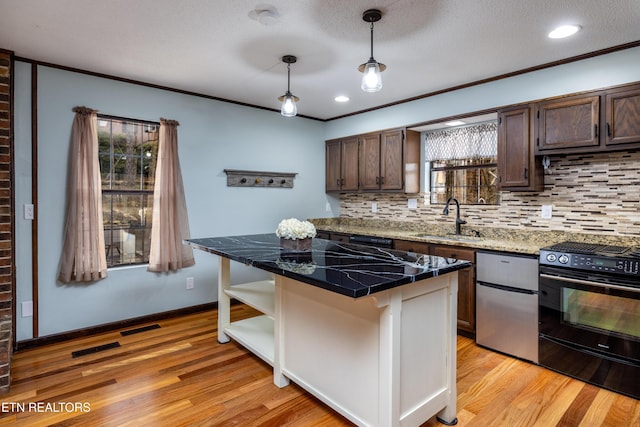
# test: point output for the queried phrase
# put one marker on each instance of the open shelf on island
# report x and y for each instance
(256, 334)
(258, 295)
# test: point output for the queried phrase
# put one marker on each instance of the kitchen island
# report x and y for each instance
(371, 332)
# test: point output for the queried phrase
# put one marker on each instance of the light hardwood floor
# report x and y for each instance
(179, 375)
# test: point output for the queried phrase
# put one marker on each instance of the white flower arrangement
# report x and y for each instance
(294, 229)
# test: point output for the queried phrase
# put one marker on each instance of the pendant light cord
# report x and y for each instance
(371, 39)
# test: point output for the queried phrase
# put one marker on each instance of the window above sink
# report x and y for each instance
(461, 162)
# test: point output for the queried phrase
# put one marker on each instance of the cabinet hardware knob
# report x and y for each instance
(243, 180)
(271, 181)
(258, 180)
(283, 181)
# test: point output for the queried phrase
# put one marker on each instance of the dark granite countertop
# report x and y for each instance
(347, 269)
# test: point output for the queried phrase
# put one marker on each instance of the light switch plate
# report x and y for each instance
(27, 308)
(412, 203)
(374, 207)
(547, 211)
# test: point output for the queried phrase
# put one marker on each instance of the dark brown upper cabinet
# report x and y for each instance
(598, 121)
(517, 166)
(568, 123)
(341, 157)
(387, 161)
(622, 116)
(381, 161)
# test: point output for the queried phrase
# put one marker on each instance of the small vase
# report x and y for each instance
(296, 245)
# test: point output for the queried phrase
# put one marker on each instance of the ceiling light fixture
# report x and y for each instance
(265, 14)
(288, 100)
(371, 78)
(564, 31)
(341, 98)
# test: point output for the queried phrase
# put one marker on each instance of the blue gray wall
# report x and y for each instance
(213, 136)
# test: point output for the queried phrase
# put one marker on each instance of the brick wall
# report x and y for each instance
(6, 222)
(590, 193)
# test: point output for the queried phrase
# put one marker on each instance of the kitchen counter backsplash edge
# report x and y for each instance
(497, 239)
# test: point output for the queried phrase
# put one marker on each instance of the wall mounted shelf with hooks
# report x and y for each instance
(244, 178)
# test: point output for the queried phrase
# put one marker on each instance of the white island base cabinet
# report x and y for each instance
(387, 359)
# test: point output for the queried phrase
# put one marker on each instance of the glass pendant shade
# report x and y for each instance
(371, 77)
(289, 108)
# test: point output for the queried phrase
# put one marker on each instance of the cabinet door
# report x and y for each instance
(411, 246)
(339, 237)
(370, 161)
(391, 160)
(467, 299)
(349, 166)
(513, 147)
(333, 162)
(568, 123)
(622, 116)
(466, 285)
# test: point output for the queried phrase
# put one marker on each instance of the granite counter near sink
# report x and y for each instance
(523, 241)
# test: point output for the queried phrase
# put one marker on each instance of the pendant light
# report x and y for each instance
(371, 78)
(288, 100)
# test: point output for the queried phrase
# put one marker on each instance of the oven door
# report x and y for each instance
(599, 313)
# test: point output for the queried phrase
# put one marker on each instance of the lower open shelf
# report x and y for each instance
(256, 334)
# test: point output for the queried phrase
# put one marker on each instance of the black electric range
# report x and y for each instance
(623, 260)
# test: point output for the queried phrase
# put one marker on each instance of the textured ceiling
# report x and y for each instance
(214, 47)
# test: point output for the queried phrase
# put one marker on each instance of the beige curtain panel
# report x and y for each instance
(170, 225)
(83, 256)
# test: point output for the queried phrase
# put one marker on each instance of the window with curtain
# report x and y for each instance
(462, 163)
(128, 151)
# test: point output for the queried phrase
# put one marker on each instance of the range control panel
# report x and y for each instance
(606, 264)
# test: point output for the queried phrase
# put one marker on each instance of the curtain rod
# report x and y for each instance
(126, 119)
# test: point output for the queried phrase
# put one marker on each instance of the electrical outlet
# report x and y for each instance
(412, 203)
(546, 211)
(327, 207)
(374, 207)
(189, 283)
(29, 211)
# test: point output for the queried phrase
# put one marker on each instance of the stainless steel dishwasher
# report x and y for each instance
(507, 304)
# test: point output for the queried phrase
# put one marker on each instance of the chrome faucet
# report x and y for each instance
(445, 211)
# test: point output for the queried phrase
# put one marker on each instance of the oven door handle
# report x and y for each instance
(590, 283)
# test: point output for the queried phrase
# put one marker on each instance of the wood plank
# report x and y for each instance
(180, 375)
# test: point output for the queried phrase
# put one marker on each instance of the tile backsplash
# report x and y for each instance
(589, 193)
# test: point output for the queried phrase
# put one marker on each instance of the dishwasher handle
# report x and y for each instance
(506, 288)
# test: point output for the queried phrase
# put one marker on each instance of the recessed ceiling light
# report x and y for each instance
(564, 31)
(455, 123)
(341, 98)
